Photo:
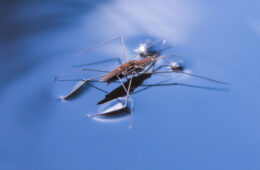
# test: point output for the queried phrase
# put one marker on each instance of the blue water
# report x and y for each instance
(173, 127)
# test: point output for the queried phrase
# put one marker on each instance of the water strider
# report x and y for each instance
(144, 66)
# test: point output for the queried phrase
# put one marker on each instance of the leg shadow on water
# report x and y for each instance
(114, 111)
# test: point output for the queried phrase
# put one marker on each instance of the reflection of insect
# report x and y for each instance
(149, 57)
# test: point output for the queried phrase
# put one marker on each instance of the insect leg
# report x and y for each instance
(162, 57)
(123, 45)
(98, 45)
(122, 83)
(128, 90)
(147, 87)
(79, 86)
(104, 43)
(121, 110)
(79, 70)
(103, 91)
(131, 111)
(117, 59)
(190, 74)
(181, 84)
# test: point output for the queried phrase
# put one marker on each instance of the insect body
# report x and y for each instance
(149, 57)
(129, 68)
(120, 72)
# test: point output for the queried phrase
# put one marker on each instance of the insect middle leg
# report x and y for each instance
(79, 70)
(117, 59)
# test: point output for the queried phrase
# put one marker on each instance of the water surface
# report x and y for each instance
(173, 127)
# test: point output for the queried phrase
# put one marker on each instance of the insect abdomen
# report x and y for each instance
(123, 68)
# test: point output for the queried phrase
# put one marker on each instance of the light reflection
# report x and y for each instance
(171, 20)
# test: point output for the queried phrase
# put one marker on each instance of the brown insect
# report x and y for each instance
(131, 67)
(128, 69)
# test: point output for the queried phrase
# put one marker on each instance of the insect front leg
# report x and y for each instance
(106, 42)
